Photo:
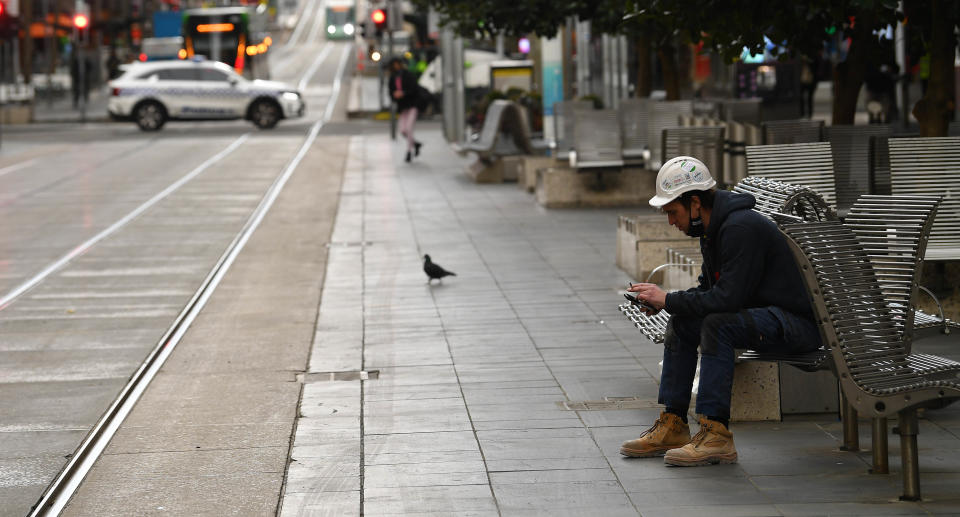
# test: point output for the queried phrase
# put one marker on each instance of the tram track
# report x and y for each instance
(58, 494)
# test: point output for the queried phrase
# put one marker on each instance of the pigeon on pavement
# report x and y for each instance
(434, 270)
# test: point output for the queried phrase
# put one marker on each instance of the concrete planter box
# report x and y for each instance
(16, 113)
(642, 244)
(566, 188)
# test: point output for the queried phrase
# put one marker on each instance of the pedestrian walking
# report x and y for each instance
(403, 91)
(80, 71)
(809, 69)
(750, 295)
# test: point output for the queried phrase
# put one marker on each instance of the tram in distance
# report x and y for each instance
(341, 19)
(236, 36)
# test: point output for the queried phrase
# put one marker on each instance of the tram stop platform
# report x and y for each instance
(460, 397)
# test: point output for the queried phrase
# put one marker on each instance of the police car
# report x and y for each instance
(152, 93)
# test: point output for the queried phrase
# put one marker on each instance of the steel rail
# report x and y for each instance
(58, 494)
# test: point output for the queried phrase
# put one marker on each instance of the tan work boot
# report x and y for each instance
(712, 444)
(667, 432)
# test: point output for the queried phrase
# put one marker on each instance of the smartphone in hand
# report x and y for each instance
(642, 303)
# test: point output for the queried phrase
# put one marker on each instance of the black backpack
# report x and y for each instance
(424, 98)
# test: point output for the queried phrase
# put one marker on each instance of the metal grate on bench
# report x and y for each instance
(596, 140)
(704, 142)
(809, 164)
(563, 125)
(853, 174)
(634, 124)
(867, 346)
(931, 166)
(663, 114)
(792, 131)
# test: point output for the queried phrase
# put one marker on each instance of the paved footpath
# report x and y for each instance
(464, 416)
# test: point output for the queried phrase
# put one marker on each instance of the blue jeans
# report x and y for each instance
(767, 329)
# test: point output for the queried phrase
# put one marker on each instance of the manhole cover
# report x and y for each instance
(361, 375)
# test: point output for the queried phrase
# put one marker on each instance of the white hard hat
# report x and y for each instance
(679, 175)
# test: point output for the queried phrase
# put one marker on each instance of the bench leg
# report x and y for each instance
(880, 464)
(910, 463)
(848, 418)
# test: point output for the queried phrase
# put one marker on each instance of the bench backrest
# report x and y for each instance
(792, 131)
(597, 139)
(634, 122)
(563, 124)
(931, 166)
(777, 197)
(856, 324)
(801, 164)
(746, 111)
(852, 160)
(893, 230)
(702, 142)
(505, 129)
(663, 114)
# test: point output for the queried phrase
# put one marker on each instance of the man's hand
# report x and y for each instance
(397, 94)
(650, 293)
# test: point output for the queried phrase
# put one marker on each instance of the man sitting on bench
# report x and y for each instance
(750, 296)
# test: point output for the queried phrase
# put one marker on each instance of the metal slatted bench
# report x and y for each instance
(596, 140)
(890, 227)
(634, 123)
(563, 125)
(809, 164)
(870, 353)
(853, 175)
(792, 131)
(504, 133)
(704, 142)
(663, 114)
(931, 166)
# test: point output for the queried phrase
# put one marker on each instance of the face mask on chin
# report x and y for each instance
(695, 228)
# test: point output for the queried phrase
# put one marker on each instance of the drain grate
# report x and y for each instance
(609, 404)
(348, 244)
(361, 375)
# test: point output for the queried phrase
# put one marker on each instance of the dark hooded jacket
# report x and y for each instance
(746, 264)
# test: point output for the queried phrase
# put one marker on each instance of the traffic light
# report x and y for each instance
(379, 18)
(80, 21)
(8, 24)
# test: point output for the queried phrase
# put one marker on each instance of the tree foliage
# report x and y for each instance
(726, 27)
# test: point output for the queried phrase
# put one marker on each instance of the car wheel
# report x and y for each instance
(150, 116)
(265, 114)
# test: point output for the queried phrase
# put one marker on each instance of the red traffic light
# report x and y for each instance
(379, 17)
(3, 8)
(81, 21)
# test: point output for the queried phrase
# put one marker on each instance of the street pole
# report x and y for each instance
(48, 43)
(391, 12)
